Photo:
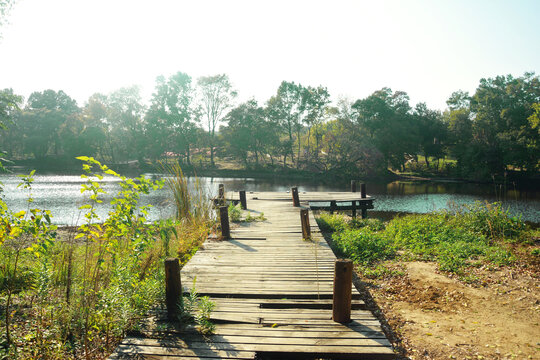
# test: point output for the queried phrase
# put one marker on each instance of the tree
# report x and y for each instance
(125, 120)
(247, 131)
(386, 118)
(170, 120)
(42, 120)
(431, 131)
(501, 107)
(216, 95)
(314, 103)
(285, 108)
(9, 108)
(5, 9)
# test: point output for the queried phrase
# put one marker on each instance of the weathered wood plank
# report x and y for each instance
(273, 294)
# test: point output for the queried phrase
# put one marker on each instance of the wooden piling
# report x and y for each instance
(341, 308)
(221, 194)
(295, 199)
(353, 185)
(363, 195)
(243, 201)
(304, 219)
(353, 209)
(173, 287)
(224, 218)
(333, 206)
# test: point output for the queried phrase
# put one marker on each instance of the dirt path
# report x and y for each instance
(437, 317)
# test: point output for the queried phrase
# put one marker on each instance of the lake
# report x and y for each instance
(61, 194)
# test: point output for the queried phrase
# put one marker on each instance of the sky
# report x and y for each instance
(427, 48)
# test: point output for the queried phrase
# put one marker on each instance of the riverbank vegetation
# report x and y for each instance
(458, 240)
(459, 284)
(491, 134)
(75, 292)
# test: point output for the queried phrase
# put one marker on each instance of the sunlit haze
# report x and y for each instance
(427, 48)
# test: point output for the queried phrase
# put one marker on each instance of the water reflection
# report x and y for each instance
(61, 194)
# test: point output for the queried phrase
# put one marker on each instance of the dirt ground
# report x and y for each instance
(432, 316)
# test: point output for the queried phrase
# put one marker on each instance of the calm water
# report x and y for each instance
(61, 194)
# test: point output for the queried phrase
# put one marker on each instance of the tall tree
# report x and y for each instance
(170, 120)
(217, 97)
(314, 104)
(248, 131)
(285, 108)
(125, 113)
(9, 107)
(386, 118)
(431, 131)
(44, 116)
(501, 108)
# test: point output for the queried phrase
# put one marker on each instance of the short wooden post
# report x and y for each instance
(243, 201)
(304, 219)
(221, 194)
(224, 218)
(295, 199)
(353, 185)
(363, 195)
(333, 206)
(173, 287)
(341, 308)
(353, 203)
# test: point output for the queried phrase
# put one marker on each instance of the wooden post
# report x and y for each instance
(221, 194)
(332, 206)
(304, 219)
(295, 199)
(243, 201)
(353, 185)
(173, 287)
(354, 209)
(224, 218)
(363, 195)
(341, 308)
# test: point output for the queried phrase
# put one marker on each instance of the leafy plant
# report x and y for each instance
(197, 310)
(235, 212)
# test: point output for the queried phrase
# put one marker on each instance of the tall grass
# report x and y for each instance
(194, 206)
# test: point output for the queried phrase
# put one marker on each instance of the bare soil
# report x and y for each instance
(429, 315)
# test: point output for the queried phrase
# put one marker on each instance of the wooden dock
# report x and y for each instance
(273, 295)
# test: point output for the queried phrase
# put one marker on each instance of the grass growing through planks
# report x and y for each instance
(236, 212)
(74, 294)
(481, 234)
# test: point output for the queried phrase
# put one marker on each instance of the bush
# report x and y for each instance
(332, 222)
(362, 245)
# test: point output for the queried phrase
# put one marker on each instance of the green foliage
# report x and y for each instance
(195, 309)
(490, 220)
(235, 212)
(474, 234)
(80, 295)
(363, 245)
(332, 222)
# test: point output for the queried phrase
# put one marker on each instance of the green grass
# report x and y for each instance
(457, 240)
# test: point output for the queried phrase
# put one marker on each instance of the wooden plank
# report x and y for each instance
(273, 294)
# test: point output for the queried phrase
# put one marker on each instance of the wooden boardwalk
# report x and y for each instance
(273, 295)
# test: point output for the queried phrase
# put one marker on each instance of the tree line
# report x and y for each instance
(478, 136)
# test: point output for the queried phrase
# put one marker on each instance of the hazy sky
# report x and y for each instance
(427, 48)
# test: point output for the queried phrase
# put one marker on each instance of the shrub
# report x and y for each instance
(332, 222)
(362, 245)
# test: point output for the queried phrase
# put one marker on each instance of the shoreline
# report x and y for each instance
(132, 169)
